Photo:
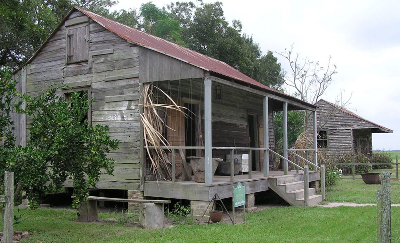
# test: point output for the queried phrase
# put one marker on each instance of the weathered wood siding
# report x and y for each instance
(111, 73)
(155, 66)
(344, 131)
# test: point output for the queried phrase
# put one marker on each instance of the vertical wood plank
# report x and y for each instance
(141, 148)
(250, 163)
(266, 136)
(8, 211)
(285, 138)
(323, 182)
(173, 165)
(315, 140)
(384, 210)
(306, 185)
(232, 166)
(208, 130)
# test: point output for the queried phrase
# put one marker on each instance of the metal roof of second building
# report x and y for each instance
(373, 125)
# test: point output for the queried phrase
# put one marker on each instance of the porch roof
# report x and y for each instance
(183, 54)
(176, 51)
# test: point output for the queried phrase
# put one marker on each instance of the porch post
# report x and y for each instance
(266, 136)
(285, 138)
(208, 131)
(315, 139)
(142, 153)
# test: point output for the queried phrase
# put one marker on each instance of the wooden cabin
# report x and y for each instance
(341, 131)
(224, 110)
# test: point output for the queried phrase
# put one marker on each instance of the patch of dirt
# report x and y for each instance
(18, 235)
(348, 204)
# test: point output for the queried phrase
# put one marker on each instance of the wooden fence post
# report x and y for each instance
(306, 185)
(397, 168)
(354, 168)
(8, 211)
(384, 210)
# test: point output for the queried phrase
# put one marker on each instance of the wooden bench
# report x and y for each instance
(151, 213)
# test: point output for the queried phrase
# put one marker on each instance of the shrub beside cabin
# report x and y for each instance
(204, 108)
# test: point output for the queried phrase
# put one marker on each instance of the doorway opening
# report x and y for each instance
(253, 134)
(190, 127)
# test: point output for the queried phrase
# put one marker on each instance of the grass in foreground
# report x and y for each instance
(349, 190)
(286, 224)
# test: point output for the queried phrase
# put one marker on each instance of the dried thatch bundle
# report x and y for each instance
(153, 125)
(306, 141)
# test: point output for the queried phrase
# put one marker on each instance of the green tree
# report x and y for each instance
(61, 138)
(205, 30)
(295, 127)
(159, 22)
(62, 145)
(26, 24)
(8, 101)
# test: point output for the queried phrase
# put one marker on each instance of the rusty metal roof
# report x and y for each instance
(373, 125)
(179, 52)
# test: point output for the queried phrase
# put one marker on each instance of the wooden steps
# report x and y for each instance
(291, 189)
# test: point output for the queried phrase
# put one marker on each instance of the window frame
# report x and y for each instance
(88, 90)
(322, 139)
(70, 40)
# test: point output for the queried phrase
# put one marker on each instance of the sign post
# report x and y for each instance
(239, 199)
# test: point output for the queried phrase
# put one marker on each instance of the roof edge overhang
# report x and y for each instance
(301, 104)
(375, 128)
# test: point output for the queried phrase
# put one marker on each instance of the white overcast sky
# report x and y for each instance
(362, 37)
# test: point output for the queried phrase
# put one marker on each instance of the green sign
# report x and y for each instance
(239, 195)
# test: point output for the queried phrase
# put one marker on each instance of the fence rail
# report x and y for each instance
(353, 165)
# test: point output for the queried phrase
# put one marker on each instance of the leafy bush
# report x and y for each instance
(332, 175)
(180, 213)
(382, 158)
(343, 160)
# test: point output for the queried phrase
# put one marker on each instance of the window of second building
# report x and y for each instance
(322, 139)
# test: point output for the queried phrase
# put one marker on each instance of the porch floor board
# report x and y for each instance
(221, 185)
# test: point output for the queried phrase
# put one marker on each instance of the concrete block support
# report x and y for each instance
(250, 202)
(151, 215)
(134, 194)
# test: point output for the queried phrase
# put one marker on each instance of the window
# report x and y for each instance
(322, 139)
(77, 44)
(81, 92)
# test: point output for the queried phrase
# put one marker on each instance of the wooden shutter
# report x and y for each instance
(77, 44)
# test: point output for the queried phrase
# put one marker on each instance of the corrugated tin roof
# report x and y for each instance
(181, 53)
(374, 125)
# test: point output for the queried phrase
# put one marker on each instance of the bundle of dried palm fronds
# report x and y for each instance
(153, 125)
(306, 141)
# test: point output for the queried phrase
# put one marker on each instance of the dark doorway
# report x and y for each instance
(253, 133)
(190, 128)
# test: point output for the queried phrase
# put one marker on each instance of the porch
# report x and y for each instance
(222, 185)
(213, 119)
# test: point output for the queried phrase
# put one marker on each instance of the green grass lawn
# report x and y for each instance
(282, 224)
(393, 155)
(349, 190)
(285, 224)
